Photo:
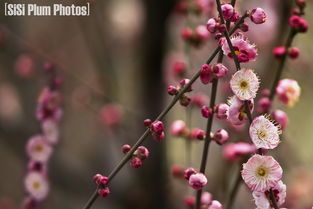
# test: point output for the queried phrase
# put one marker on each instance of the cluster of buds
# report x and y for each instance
(156, 128)
(195, 179)
(172, 90)
(40, 147)
(195, 37)
(140, 154)
(210, 72)
(102, 182)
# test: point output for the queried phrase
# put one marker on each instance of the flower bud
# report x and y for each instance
(219, 70)
(264, 104)
(222, 111)
(216, 205)
(227, 11)
(179, 68)
(142, 153)
(190, 201)
(280, 117)
(188, 172)
(221, 136)
(201, 33)
(197, 181)
(293, 52)
(211, 25)
(244, 27)
(298, 23)
(136, 162)
(206, 74)
(197, 133)
(147, 122)
(235, 17)
(177, 171)
(258, 16)
(184, 82)
(206, 111)
(104, 192)
(126, 148)
(184, 100)
(172, 90)
(206, 198)
(157, 127)
(279, 51)
(187, 33)
(178, 128)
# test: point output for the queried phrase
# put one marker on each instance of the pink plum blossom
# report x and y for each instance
(245, 84)
(261, 173)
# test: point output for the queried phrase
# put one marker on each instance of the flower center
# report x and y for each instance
(261, 171)
(243, 84)
(38, 148)
(261, 134)
(36, 185)
(237, 52)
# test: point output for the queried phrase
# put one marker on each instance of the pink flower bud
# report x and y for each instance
(233, 151)
(179, 68)
(222, 111)
(190, 201)
(172, 90)
(184, 82)
(147, 122)
(201, 33)
(293, 52)
(264, 105)
(228, 11)
(100, 179)
(197, 181)
(197, 133)
(157, 127)
(177, 171)
(142, 153)
(206, 111)
(184, 100)
(221, 136)
(288, 91)
(280, 117)
(258, 16)
(199, 99)
(279, 51)
(219, 70)
(206, 74)
(126, 148)
(188, 172)
(158, 137)
(265, 92)
(178, 128)
(187, 33)
(211, 25)
(111, 115)
(235, 17)
(301, 3)
(206, 198)
(216, 205)
(104, 192)
(298, 23)
(136, 162)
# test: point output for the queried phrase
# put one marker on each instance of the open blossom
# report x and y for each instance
(38, 149)
(244, 50)
(288, 91)
(261, 200)
(36, 185)
(261, 173)
(236, 112)
(197, 181)
(245, 84)
(264, 133)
